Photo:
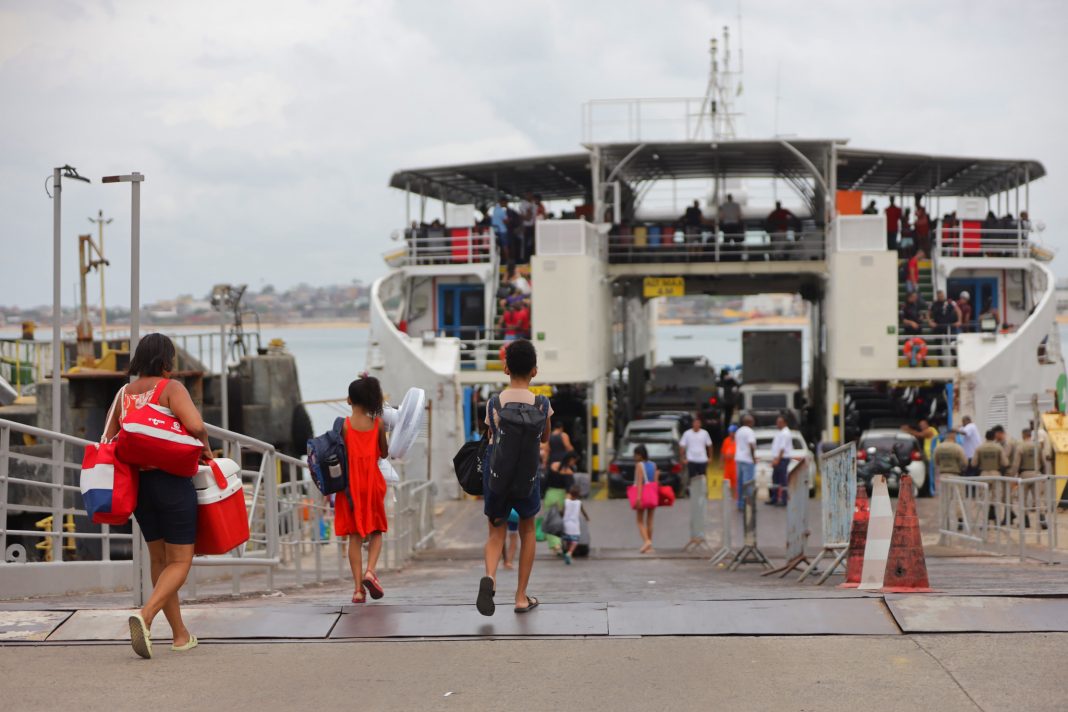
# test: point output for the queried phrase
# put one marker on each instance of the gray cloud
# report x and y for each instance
(268, 130)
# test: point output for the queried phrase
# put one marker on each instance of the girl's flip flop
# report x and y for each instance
(373, 586)
(532, 603)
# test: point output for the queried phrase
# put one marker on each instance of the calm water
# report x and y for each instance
(328, 358)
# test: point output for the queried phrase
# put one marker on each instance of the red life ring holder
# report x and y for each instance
(915, 348)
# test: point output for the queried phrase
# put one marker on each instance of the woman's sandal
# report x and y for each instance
(188, 645)
(140, 637)
(373, 585)
(484, 603)
(359, 596)
(532, 603)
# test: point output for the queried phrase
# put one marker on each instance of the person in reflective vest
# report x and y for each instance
(989, 458)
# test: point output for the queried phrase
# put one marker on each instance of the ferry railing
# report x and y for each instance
(288, 520)
(710, 246)
(483, 352)
(467, 248)
(926, 349)
(968, 241)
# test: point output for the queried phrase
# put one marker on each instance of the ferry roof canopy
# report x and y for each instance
(567, 176)
(561, 177)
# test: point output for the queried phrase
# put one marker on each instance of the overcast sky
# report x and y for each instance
(268, 130)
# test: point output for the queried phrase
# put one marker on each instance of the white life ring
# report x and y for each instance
(407, 423)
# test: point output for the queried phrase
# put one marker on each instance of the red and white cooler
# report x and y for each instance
(222, 519)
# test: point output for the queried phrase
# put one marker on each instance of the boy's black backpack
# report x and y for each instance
(328, 461)
(516, 446)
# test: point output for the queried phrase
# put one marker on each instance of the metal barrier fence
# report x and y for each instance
(1004, 515)
(727, 506)
(290, 522)
(710, 246)
(838, 494)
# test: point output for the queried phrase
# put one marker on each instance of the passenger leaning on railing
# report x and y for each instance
(166, 504)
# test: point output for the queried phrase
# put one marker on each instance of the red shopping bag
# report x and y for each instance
(667, 496)
(108, 485)
(152, 437)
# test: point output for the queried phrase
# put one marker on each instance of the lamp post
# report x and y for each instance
(58, 174)
(142, 583)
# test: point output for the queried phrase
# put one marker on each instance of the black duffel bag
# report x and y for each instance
(468, 464)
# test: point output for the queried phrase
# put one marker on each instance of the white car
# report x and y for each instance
(799, 452)
(653, 429)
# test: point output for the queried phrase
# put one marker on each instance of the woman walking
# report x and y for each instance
(166, 504)
(645, 475)
(360, 511)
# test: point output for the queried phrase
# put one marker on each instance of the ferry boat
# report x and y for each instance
(597, 267)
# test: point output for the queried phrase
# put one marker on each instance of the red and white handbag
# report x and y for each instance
(108, 485)
(151, 437)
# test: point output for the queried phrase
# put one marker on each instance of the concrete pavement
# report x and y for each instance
(830, 674)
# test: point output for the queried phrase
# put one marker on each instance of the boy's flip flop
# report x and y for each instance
(188, 645)
(484, 603)
(140, 638)
(532, 603)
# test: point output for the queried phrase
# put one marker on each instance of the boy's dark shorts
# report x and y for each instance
(570, 538)
(498, 507)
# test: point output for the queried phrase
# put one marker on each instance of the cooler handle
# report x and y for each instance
(220, 478)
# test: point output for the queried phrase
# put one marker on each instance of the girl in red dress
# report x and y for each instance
(360, 511)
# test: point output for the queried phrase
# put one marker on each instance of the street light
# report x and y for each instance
(134, 179)
(58, 174)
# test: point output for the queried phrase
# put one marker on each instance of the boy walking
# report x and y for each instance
(518, 424)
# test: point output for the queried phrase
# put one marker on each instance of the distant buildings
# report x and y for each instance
(300, 303)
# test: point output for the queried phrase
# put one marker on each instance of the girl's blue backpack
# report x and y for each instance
(328, 461)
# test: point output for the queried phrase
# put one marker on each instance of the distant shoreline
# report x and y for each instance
(44, 330)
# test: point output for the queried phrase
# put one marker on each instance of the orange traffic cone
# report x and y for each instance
(858, 536)
(906, 569)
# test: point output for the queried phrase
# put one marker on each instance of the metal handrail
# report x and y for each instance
(280, 509)
(715, 246)
(960, 241)
(471, 248)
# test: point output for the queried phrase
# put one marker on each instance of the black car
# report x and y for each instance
(663, 453)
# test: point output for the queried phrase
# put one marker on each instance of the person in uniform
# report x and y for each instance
(949, 458)
(1007, 443)
(1027, 462)
(990, 460)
